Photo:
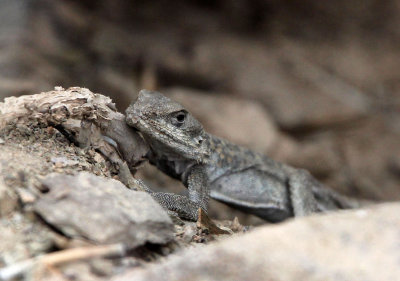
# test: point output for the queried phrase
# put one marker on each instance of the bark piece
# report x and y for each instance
(86, 117)
(205, 223)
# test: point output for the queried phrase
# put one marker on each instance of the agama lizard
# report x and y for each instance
(210, 166)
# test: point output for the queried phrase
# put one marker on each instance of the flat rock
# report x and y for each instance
(348, 245)
(102, 210)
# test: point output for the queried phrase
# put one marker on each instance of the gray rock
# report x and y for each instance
(351, 245)
(8, 198)
(22, 238)
(285, 78)
(296, 90)
(102, 210)
(368, 151)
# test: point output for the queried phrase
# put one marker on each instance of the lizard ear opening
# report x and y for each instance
(199, 140)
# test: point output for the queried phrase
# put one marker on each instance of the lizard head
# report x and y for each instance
(167, 126)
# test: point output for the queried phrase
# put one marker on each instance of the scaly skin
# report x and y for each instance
(210, 166)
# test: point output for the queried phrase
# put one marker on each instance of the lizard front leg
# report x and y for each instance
(197, 183)
(177, 205)
(187, 208)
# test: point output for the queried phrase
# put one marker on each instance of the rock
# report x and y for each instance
(22, 238)
(26, 157)
(350, 245)
(103, 127)
(102, 210)
(317, 154)
(297, 93)
(189, 231)
(283, 77)
(8, 198)
(368, 151)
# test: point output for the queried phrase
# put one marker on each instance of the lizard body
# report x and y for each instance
(211, 166)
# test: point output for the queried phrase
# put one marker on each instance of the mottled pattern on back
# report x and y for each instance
(226, 156)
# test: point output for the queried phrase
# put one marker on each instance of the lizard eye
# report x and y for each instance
(178, 118)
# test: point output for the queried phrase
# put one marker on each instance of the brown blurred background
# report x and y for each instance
(312, 83)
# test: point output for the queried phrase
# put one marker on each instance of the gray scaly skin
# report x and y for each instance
(210, 166)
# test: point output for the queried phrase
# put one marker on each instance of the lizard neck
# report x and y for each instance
(172, 164)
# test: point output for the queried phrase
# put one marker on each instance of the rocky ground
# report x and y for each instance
(310, 83)
(58, 192)
(66, 215)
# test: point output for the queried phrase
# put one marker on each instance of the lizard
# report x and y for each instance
(214, 167)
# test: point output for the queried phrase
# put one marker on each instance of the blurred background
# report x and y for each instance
(312, 83)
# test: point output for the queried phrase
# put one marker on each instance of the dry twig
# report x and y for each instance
(60, 257)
